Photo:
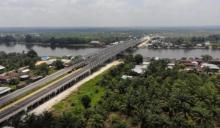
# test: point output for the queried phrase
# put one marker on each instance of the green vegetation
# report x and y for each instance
(206, 58)
(86, 101)
(17, 60)
(67, 39)
(192, 41)
(58, 64)
(73, 102)
(138, 59)
(167, 98)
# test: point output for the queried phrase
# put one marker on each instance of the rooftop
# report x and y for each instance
(2, 67)
(4, 90)
(211, 66)
(140, 69)
(45, 58)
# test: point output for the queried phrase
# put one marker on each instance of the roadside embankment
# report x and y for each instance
(48, 105)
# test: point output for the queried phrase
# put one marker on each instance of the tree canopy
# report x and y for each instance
(167, 98)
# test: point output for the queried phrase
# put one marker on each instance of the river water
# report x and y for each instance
(48, 51)
(59, 51)
(178, 53)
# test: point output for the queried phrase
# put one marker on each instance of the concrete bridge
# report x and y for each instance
(88, 65)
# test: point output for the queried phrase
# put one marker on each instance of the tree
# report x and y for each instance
(32, 121)
(32, 54)
(96, 121)
(138, 59)
(58, 64)
(86, 100)
(42, 69)
(69, 120)
(206, 58)
(14, 82)
(47, 119)
(28, 38)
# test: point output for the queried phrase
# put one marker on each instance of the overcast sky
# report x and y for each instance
(93, 13)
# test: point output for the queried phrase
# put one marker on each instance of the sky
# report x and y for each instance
(109, 13)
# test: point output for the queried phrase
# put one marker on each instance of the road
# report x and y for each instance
(10, 97)
(93, 62)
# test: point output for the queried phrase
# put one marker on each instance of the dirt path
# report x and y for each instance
(49, 104)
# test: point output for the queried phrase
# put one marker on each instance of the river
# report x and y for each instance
(48, 51)
(59, 51)
(177, 53)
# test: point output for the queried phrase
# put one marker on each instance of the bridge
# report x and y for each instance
(87, 66)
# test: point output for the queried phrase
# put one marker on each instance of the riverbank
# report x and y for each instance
(177, 53)
(71, 91)
(75, 51)
(87, 45)
(49, 51)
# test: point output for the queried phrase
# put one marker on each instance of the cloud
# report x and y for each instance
(109, 12)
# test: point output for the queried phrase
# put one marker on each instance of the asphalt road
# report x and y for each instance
(93, 61)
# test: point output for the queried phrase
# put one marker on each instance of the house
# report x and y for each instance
(156, 58)
(190, 63)
(2, 69)
(24, 77)
(38, 63)
(211, 67)
(115, 43)
(36, 78)
(95, 42)
(50, 61)
(3, 79)
(199, 45)
(44, 58)
(25, 71)
(207, 43)
(170, 65)
(4, 90)
(215, 61)
(146, 63)
(6, 77)
(66, 62)
(140, 69)
(125, 77)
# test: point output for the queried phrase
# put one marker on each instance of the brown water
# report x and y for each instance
(48, 51)
(177, 53)
(59, 51)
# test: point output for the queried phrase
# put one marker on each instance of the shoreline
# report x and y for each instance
(55, 46)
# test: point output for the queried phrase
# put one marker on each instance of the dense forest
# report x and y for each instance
(161, 98)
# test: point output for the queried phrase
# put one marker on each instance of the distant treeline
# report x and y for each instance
(193, 40)
(7, 39)
(61, 41)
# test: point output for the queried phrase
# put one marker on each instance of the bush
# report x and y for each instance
(14, 82)
(86, 101)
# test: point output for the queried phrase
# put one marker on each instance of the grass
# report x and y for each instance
(73, 103)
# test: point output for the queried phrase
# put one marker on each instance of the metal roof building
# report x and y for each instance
(4, 90)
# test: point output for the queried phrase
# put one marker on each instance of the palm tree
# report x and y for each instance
(68, 120)
(96, 121)
(47, 120)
